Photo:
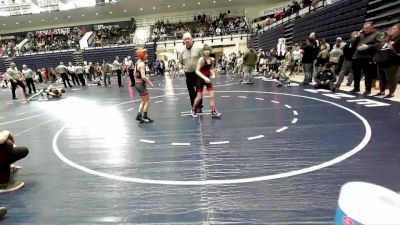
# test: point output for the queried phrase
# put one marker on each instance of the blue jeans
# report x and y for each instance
(308, 69)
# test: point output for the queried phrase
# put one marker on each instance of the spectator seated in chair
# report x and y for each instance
(326, 78)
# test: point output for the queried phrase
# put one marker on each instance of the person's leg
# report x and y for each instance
(13, 88)
(132, 78)
(22, 85)
(28, 83)
(139, 115)
(191, 79)
(73, 80)
(357, 67)
(369, 69)
(391, 73)
(346, 68)
(197, 100)
(109, 79)
(382, 81)
(119, 78)
(105, 79)
(214, 112)
(82, 79)
(146, 107)
(64, 80)
(33, 86)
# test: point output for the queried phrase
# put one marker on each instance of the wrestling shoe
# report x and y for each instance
(139, 117)
(146, 120)
(215, 114)
(194, 113)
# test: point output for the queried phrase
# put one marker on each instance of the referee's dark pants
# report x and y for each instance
(65, 79)
(130, 71)
(31, 85)
(191, 79)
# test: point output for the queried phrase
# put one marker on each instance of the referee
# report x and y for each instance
(189, 59)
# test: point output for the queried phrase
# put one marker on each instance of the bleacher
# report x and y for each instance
(269, 39)
(337, 20)
(384, 13)
(47, 60)
(97, 55)
(329, 22)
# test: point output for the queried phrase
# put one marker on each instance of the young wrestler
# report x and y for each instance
(205, 71)
(141, 79)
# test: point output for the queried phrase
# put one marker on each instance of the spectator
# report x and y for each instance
(296, 58)
(9, 153)
(249, 62)
(366, 44)
(296, 7)
(310, 52)
(336, 54)
(306, 3)
(278, 15)
(326, 78)
(388, 60)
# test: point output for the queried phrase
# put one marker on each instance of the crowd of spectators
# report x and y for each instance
(293, 8)
(111, 35)
(201, 26)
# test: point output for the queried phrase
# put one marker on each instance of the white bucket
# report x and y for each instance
(367, 204)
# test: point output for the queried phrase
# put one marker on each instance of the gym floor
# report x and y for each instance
(277, 155)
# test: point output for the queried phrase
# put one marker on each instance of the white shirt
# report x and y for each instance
(13, 73)
(71, 69)
(28, 73)
(297, 54)
(117, 65)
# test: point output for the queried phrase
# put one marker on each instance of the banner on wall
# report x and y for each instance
(10, 37)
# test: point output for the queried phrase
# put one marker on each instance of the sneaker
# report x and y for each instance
(139, 117)
(249, 82)
(11, 186)
(355, 91)
(215, 114)
(379, 94)
(146, 120)
(3, 212)
(366, 93)
(194, 114)
(389, 96)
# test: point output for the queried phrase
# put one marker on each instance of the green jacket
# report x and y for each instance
(250, 58)
(373, 41)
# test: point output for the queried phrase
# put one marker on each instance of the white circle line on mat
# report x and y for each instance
(295, 113)
(288, 106)
(147, 141)
(276, 102)
(219, 143)
(348, 154)
(255, 137)
(295, 120)
(261, 99)
(180, 144)
(282, 129)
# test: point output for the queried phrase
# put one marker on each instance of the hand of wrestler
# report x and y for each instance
(207, 80)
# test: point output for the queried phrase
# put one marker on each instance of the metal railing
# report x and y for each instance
(304, 11)
(183, 18)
